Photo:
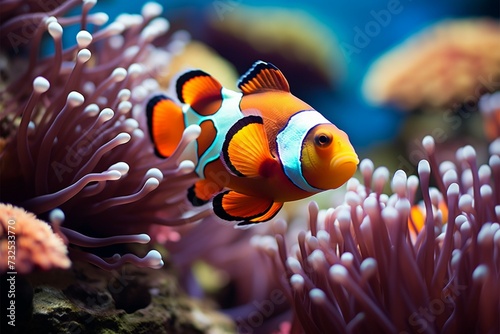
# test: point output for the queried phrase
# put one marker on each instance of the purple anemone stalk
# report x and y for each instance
(359, 270)
(76, 152)
(247, 291)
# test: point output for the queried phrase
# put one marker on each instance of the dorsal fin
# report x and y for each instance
(201, 91)
(263, 77)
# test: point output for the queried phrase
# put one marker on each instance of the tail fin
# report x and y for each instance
(165, 124)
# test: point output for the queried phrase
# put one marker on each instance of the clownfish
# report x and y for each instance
(257, 148)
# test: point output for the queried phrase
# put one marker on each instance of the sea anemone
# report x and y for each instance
(358, 269)
(489, 105)
(226, 267)
(27, 243)
(75, 151)
(454, 61)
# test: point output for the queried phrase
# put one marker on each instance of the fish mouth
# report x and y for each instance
(345, 158)
(343, 167)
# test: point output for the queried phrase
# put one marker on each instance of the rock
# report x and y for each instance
(131, 300)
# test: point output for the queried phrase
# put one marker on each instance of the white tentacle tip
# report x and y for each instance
(83, 39)
(116, 28)
(89, 3)
(469, 152)
(153, 259)
(338, 273)
(480, 273)
(151, 9)
(192, 132)
(56, 216)
(154, 173)
(186, 167)
(106, 114)
(55, 30)
(41, 85)
(366, 167)
(124, 107)
(297, 281)
(317, 296)
(119, 74)
(429, 144)
(75, 99)
(99, 18)
(121, 167)
(84, 55)
(424, 167)
(151, 184)
(294, 265)
(123, 137)
(143, 238)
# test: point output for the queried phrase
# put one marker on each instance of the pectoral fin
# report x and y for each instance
(245, 151)
(231, 205)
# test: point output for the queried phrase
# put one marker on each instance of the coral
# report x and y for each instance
(27, 243)
(75, 152)
(358, 269)
(451, 62)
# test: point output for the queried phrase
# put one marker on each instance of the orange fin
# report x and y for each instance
(273, 211)
(263, 77)
(231, 205)
(165, 124)
(202, 191)
(245, 151)
(201, 91)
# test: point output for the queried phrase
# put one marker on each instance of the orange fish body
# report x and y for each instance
(257, 149)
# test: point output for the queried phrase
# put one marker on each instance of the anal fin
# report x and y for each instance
(273, 211)
(233, 206)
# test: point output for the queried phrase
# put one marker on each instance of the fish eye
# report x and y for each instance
(323, 139)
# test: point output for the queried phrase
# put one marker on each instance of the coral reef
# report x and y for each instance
(28, 243)
(454, 61)
(359, 270)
